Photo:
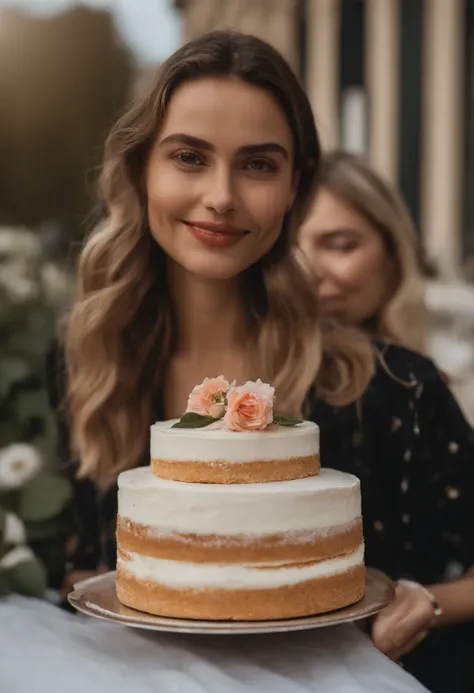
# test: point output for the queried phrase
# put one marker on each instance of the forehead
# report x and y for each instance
(229, 113)
(332, 213)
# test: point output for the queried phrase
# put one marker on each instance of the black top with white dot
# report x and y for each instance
(415, 459)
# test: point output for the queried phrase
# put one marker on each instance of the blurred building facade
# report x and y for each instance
(63, 80)
(392, 79)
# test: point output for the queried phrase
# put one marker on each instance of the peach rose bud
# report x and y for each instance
(249, 407)
(208, 398)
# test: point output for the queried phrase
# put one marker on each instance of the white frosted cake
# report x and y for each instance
(246, 545)
(217, 455)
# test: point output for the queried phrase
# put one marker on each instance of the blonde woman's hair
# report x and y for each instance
(404, 318)
(120, 333)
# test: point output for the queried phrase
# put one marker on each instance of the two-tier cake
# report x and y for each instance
(235, 519)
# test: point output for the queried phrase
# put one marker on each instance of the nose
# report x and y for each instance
(220, 196)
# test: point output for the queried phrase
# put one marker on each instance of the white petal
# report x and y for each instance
(14, 530)
(19, 462)
(20, 554)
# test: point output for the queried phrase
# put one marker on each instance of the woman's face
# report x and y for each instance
(220, 178)
(348, 255)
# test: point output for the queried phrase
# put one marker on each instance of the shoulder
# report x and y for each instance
(407, 381)
(404, 366)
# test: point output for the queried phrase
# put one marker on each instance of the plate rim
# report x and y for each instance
(78, 600)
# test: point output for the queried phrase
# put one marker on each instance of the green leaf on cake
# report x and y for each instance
(282, 420)
(193, 420)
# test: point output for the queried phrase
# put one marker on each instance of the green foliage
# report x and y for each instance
(34, 497)
(28, 578)
(43, 497)
(282, 420)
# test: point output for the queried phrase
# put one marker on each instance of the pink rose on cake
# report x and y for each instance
(209, 398)
(249, 407)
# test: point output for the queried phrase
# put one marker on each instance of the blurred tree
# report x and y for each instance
(63, 80)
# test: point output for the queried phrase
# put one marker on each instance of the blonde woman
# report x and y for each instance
(192, 273)
(360, 240)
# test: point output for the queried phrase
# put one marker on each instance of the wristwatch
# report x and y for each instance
(437, 610)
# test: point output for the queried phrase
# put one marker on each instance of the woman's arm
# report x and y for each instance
(402, 626)
(456, 600)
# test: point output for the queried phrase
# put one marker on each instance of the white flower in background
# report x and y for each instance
(17, 282)
(18, 242)
(20, 254)
(57, 283)
(19, 462)
(15, 532)
(20, 554)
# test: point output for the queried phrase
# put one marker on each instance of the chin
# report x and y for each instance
(214, 269)
(214, 265)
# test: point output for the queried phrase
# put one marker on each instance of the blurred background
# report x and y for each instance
(393, 79)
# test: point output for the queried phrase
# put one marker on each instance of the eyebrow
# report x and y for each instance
(262, 148)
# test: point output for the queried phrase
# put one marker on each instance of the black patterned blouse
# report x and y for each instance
(410, 445)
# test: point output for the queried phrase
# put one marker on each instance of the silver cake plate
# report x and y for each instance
(97, 597)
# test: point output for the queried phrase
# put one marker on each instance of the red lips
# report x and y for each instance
(215, 233)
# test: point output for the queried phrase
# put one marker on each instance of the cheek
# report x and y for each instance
(359, 271)
(166, 193)
(267, 205)
(315, 257)
(369, 284)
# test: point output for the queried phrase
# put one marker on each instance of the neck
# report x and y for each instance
(210, 314)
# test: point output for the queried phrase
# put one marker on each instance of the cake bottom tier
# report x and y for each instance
(334, 584)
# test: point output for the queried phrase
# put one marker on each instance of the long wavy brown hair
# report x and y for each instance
(120, 334)
(404, 318)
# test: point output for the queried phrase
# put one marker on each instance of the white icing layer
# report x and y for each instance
(317, 503)
(221, 576)
(216, 443)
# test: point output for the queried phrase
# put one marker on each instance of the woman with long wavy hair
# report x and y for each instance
(360, 240)
(192, 272)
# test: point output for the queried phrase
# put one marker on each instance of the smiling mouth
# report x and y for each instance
(215, 234)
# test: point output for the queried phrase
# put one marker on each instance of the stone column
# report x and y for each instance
(382, 83)
(274, 21)
(322, 79)
(442, 131)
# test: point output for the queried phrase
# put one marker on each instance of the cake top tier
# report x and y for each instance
(216, 455)
(217, 431)
(231, 434)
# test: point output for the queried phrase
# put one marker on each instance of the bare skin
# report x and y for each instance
(355, 274)
(224, 155)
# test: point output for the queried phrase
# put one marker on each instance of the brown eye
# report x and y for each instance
(261, 165)
(188, 158)
(343, 246)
